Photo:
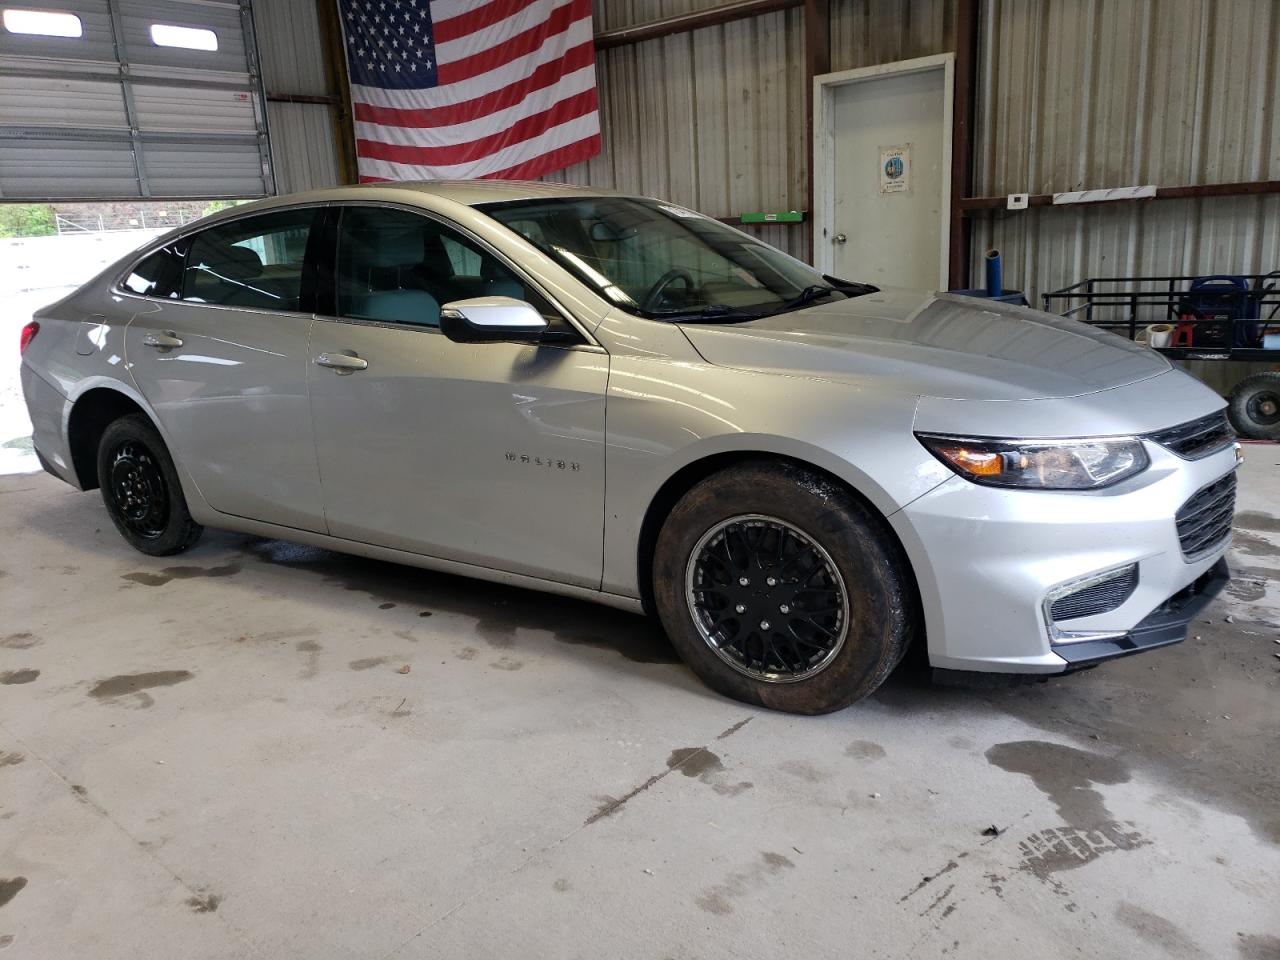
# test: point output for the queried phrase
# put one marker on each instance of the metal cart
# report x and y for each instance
(1224, 317)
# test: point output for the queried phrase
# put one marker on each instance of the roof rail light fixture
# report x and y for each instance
(42, 23)
(188, 38)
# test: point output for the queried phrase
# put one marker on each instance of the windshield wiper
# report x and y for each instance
(816, 291)
(716, 313)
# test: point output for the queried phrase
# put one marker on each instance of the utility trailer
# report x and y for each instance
(1226, 317)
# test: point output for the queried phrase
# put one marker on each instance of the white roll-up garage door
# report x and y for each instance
(115, 99)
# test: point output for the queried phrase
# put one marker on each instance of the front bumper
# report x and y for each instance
(1165, 625)
(986, 558)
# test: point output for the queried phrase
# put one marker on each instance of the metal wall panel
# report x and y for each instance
(303, 143)
(865, 33)
(291, 46)
(1165, 92)
(304, 140)
(712, 119)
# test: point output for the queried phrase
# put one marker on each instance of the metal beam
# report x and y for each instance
(1243, 188)
(817, 61)
(669, 26)
(962, 117)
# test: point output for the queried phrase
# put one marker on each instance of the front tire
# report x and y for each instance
(782, 589)
(141, 490)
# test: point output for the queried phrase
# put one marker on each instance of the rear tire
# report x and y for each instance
(141, 490)
(781, 588)
(1254, 408)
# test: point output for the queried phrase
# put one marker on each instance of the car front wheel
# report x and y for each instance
(781, 588)
(141, 490)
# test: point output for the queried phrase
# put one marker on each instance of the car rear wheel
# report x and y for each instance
(1255, 407)
(141, 490)
(782, 589)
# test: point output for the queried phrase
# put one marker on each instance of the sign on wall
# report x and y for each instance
(895, 169)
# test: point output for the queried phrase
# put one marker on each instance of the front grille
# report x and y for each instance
(1204, 521)
(1197, 438)
(1100, 597)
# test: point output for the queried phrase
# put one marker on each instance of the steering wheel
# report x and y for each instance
(654, 297)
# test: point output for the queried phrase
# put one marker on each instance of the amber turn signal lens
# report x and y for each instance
(980, 463)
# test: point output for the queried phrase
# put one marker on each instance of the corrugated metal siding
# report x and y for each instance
(290, 46)
(304, 141)
(712, 119)
(869, 32)
(303, 145)
(1079, 95)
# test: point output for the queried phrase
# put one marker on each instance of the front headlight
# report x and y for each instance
(1041, 464)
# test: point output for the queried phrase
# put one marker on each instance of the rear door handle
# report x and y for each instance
(162, 341)
(342, 363)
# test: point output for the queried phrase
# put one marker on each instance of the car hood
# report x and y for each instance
(934, 345)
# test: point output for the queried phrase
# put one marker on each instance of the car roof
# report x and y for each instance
(469, 192)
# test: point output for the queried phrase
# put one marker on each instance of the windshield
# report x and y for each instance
(659, 260)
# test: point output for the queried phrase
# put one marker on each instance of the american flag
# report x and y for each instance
(464, 89)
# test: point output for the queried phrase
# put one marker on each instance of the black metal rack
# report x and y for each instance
(1095, 300)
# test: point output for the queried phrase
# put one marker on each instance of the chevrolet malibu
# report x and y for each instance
(616, 398)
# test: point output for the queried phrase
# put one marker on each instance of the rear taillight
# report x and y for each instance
(28, 334)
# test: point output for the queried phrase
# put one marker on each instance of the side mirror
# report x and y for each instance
(490, 319)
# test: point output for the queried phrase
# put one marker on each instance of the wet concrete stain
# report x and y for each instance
(701, 763)
(1255, 545)
(929, 878)
(180, 573)
(467, 653)
(204, 902)
(498, 610)
(26, 675)
(20, 641)
(719, 898)
(368, 663)
(1066, 776)
(561, 885)
(864, 750)
(1247, 590)
(10, 887)
(678, 759)
(119, 686)
(1158, 931)
(694, 761)
(939, 900)
(81, 792)
(1258, 946)
(803, 770)
(386, 606)
(1257, 520)
(507, 663)
(10, 759)
(311, 666)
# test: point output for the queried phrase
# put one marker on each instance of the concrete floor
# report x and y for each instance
(218, 756)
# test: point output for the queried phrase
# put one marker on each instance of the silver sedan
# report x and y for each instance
(617, 398)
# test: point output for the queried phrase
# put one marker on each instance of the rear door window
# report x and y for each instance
(255, 263)
(159, 275)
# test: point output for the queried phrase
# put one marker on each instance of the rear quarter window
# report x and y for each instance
(159, 275)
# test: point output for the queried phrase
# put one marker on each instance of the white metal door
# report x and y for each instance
(884, 173)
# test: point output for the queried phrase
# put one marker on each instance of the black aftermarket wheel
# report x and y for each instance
(782, 589)
(140, 488)
(1255, 407)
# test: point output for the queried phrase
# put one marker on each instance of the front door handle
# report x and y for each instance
(162, 341)
(342, 363)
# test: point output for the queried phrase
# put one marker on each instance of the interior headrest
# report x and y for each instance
(235, 263)
(400, 248)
